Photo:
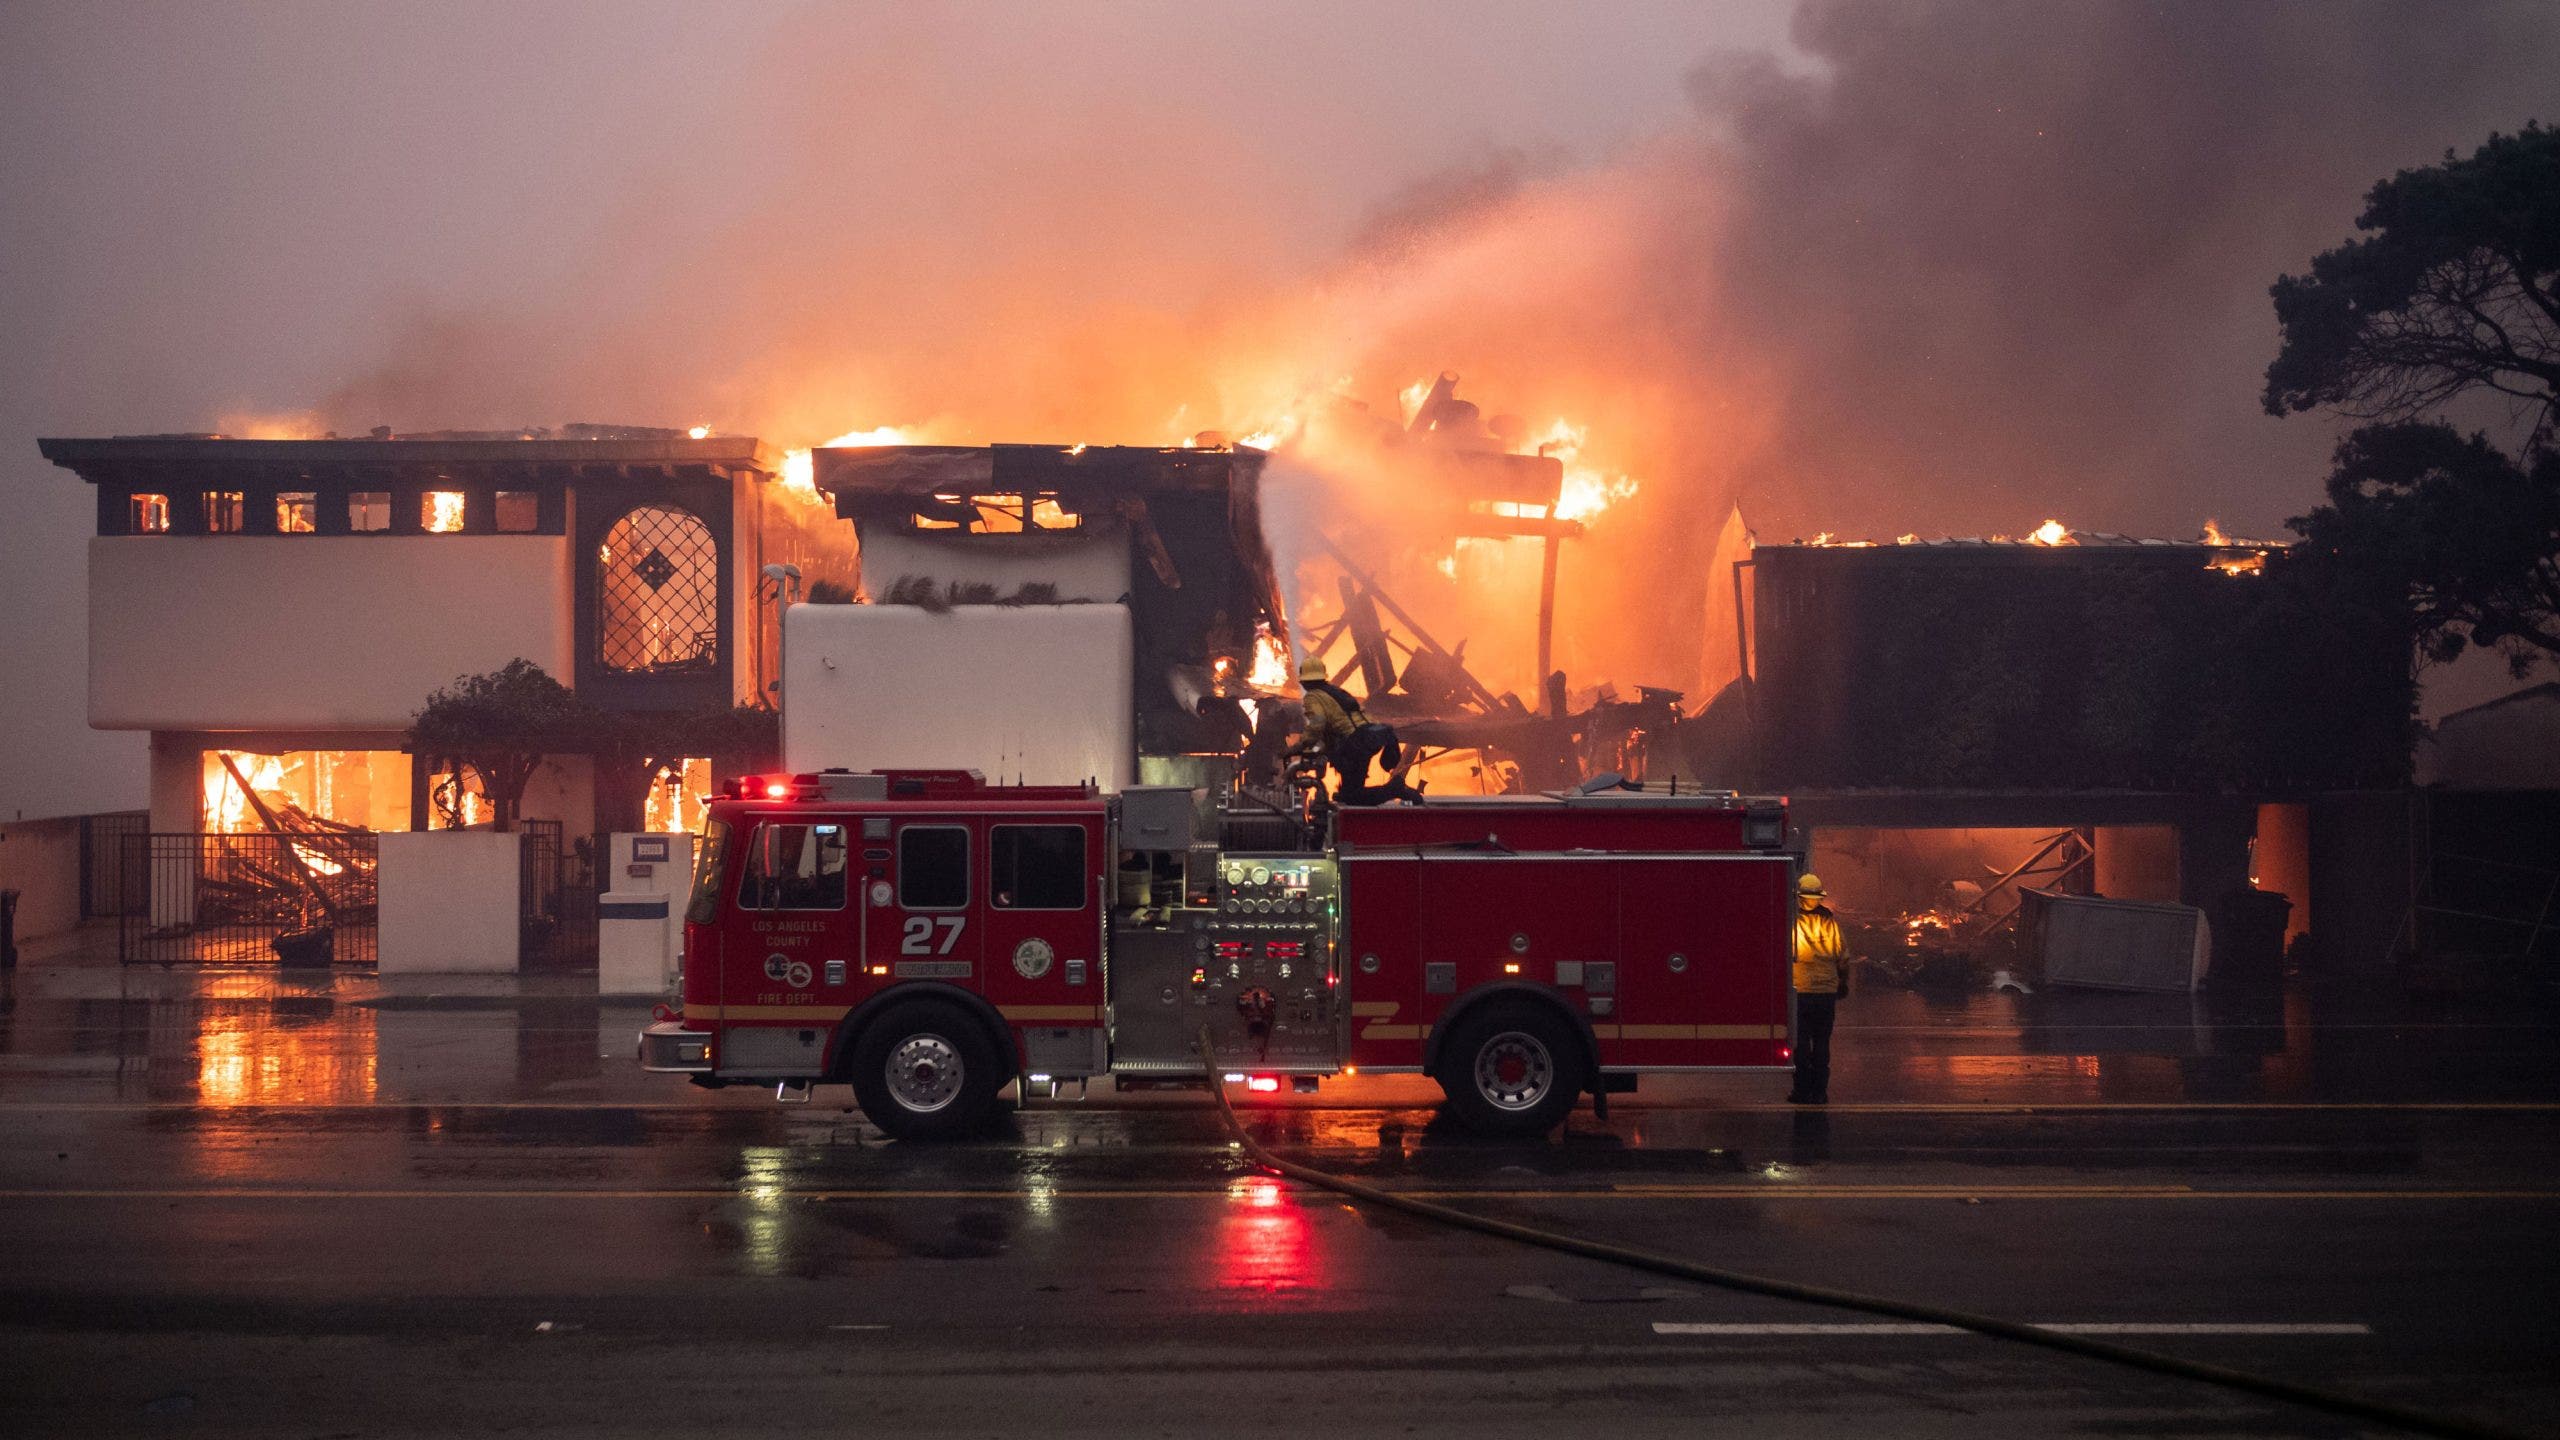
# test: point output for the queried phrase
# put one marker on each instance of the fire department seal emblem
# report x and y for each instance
(1032, 958)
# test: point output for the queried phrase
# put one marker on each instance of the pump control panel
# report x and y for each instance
(1280, 885)
(1258, 968)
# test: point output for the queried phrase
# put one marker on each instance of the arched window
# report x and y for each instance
(658, 594)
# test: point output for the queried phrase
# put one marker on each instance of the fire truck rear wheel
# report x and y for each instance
(1512, 1068)
(924, 1071)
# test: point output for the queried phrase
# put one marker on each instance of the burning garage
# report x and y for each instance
(1959, 721)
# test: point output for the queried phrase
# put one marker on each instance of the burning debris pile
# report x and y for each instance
(270, 861)
(1970, 930)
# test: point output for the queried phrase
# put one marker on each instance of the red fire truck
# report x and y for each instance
(931, 939)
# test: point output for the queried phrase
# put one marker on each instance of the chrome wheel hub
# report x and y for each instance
(924, 1073)
(1514, 1071)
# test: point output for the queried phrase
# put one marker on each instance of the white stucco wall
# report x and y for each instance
(246, 632)
(1037, 693)
(448, 902)
(1090, 564)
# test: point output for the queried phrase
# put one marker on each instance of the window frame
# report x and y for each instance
(751, 861)
(1083, 866)
(359, 501)
(225, 512)
(968, 864)
(530, 499)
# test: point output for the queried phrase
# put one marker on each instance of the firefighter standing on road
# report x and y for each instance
(1821, 977)
(1339, 733)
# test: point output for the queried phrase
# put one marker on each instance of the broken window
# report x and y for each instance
(225, 512)
(519, 511)
(305, 790)
(657, 593)
(297, 512)
(1012, 514)
(440, 512)
(149, 514)
(679, 796)
(458, 799)
(368, 511)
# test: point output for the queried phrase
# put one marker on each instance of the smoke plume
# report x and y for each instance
(1945, 268)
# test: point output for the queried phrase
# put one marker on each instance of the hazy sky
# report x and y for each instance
(1945, 268)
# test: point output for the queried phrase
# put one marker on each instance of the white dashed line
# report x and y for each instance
(2209, 1327)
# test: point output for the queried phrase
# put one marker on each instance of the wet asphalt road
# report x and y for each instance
(233, 1206)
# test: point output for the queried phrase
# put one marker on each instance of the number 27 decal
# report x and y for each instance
(919, 934)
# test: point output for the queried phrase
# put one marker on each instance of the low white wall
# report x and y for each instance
(1036, 693)
(247, 632)
(449, 901)
(40, 859)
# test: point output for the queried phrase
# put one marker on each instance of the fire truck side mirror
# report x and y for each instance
(768, 862)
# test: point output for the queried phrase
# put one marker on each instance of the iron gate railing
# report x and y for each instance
(556, 906)
(256, 899)
(103, 890)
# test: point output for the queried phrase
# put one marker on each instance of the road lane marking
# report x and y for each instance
(1221, 1192)
(1678, 1327)
(754, 1104)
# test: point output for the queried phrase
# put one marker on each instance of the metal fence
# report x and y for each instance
(556, 905)
(103, 890)
(247, 899)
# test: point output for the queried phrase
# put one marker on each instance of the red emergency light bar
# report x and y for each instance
(891, 785)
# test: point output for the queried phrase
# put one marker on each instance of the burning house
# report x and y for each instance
(2145, 719)
(275, 612)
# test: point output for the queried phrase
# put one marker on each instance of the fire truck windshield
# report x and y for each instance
(704, 907)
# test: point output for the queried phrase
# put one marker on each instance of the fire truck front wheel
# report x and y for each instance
(1512, 1068)
(924, 1071)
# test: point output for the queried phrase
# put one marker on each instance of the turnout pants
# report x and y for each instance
(1814, 1015)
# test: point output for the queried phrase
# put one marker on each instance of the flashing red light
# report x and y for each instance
(777, 789)
(1263, 1084)
(1786, 1053)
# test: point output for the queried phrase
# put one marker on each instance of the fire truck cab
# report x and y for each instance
(930, 939)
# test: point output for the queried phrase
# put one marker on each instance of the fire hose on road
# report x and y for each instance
(2266, 1387)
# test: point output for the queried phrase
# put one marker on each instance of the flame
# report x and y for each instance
(2253, 563)
(1409, 399)
(1447, 565)
(1270, 661)
(1273, 436)
(1824, 538)
(1586, 491)
(2213, 532)
(1906, 539)
(800, 468)
(2052, 532)
(699, 432)
(445, 512)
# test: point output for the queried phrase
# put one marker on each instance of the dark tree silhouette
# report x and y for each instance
(2451, 293)
(2473, 536)
(2454, 294)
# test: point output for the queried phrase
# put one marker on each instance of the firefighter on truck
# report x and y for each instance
(934, 941)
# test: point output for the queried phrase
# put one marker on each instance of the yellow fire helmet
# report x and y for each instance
(1312, 669)
(1809, 884)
